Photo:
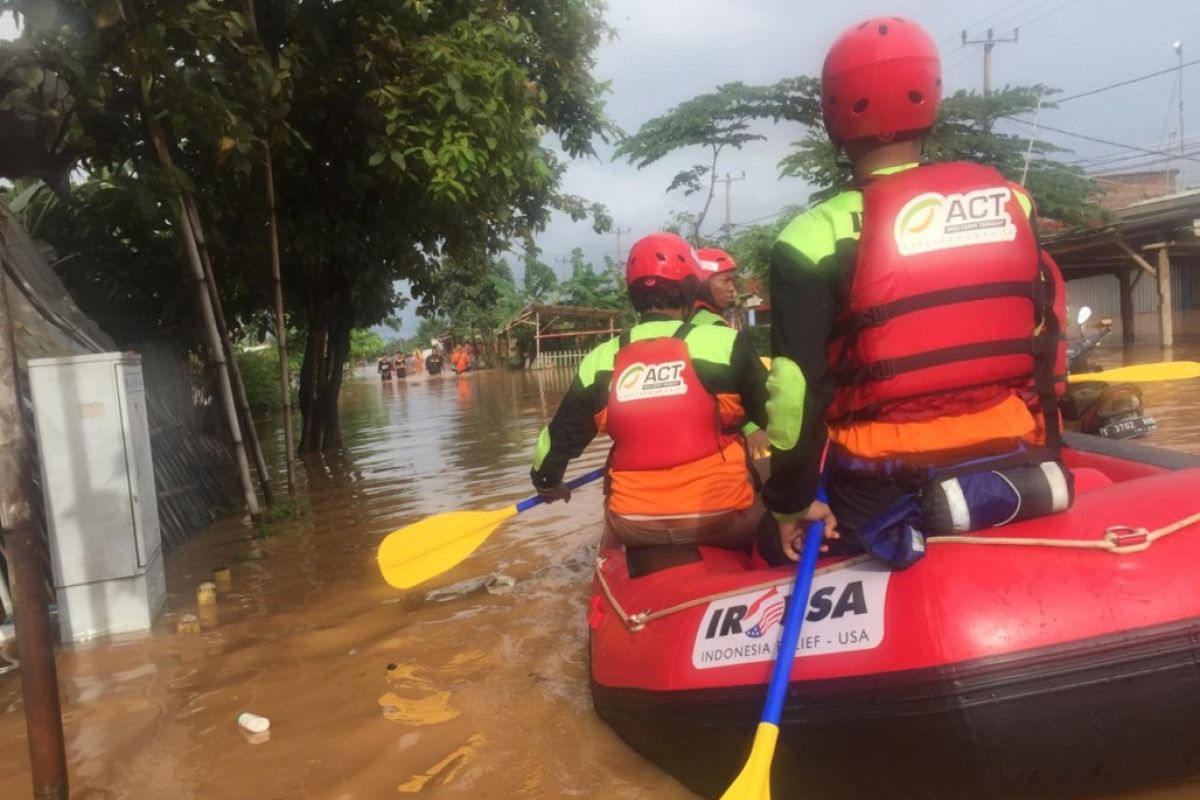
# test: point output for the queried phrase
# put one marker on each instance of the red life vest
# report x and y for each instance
(946, 294)
(659, 413)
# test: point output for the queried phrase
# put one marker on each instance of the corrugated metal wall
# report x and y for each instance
(1102, 294)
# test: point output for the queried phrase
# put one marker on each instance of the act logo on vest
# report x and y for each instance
(641, 381)
(934, 221)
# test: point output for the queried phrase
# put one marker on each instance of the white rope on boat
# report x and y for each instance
(1119, 540)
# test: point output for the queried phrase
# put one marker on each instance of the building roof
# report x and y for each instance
(1173, 219)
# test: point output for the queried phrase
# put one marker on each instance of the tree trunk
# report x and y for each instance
(312, 378)
(321, 374)
(235, 371)
(712, 190)
(339, 350)
(23, 545)
(285, 378)
(204, 302)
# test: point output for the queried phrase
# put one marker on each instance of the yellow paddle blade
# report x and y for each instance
(754, 781)
(1142, 373)
(425, 549)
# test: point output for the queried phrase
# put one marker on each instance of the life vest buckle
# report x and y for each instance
(882, 370)
(873, 317)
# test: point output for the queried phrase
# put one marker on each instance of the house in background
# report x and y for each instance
(1143, 267)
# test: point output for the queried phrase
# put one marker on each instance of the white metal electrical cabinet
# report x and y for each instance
(98, 485)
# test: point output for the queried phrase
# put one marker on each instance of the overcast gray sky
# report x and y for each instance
(671, 50)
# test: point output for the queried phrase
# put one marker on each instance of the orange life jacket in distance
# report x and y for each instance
(945, 298)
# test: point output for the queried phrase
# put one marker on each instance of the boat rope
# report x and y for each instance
(1118, 540)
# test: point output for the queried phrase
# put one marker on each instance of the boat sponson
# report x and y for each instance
(1098, 715)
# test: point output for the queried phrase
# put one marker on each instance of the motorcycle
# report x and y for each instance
(1114, 411)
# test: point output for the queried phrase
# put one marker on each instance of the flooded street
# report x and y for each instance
(444, 691)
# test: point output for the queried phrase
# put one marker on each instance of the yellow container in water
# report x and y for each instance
(206, 593)
(223, 578)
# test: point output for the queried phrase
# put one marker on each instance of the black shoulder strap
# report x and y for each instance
(878, 315)
(683, 330)
(623, 341)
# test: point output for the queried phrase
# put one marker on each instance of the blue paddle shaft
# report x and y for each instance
(797, 607)
(572, 484)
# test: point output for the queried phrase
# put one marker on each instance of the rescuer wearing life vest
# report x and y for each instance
(718, 294)
(671, 396)
(915, 307)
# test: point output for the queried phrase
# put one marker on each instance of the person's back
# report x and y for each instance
(916, 303)
(671, 396)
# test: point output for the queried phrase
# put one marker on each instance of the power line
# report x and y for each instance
(1019, 14)
(1050, 12)
(1175, 68)
(954, 36)
(1085, 137)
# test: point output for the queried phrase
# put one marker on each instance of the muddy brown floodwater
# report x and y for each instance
(444, 691)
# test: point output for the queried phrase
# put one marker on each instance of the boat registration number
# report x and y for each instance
(845, 612)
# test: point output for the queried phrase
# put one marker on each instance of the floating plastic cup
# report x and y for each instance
(252, 723)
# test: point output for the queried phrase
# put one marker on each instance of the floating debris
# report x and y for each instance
(252, 723)
(499, 584)
(206, 593)
(223, 578)
(444, 771)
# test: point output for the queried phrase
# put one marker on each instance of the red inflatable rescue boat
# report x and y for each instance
(1054, 668)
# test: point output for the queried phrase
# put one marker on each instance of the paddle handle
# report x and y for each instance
(781, 674)
(572, 484)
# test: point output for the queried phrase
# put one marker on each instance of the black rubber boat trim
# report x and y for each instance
(1131, 451)
(1139, 654)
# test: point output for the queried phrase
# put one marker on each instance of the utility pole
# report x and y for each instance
(988, 45)
(619, 231)
(727, 229)
(1182, 153)
(23, 544)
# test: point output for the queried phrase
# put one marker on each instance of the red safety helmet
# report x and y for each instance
(714, 261)
(660, 255)
(882, 76)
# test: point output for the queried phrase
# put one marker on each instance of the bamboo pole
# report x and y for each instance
(285, 378)
(204, 301)
(235, 371)
(39, 675)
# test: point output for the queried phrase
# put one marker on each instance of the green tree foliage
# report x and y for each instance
(715, 122)
(366, 344)
(260, 374)
(990, 130)
(588, 288)
(751, 246)
(967, 129)
(539, 283)
(405, 134)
